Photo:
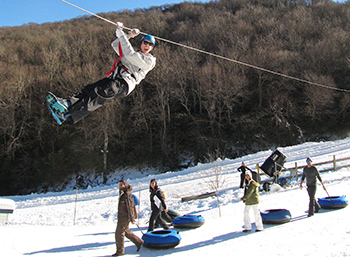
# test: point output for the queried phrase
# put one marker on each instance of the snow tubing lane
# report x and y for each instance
(188, 221)
(333, 202)
(161, 239)
(275, 216)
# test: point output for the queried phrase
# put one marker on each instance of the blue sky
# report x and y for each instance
(19, 12)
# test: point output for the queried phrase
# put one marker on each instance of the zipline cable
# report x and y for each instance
(218, 56)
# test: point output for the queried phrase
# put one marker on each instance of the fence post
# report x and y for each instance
(334, 163)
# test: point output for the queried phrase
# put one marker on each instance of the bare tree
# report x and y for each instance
(213, 177)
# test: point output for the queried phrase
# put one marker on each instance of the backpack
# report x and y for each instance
(161, 193)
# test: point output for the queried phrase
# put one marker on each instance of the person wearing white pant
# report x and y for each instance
(258, 220)
(251, 200)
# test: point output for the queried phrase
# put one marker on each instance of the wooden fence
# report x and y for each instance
(295, 173)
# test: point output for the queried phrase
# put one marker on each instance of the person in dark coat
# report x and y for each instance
(311, 174)
(243, 169)
(126, 214)
(157, 206)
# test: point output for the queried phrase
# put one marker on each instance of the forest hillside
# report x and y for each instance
(190, 106)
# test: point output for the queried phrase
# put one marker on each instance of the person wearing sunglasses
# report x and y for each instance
(127, 72)
(311, 174)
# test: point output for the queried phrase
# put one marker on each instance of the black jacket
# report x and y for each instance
(243, 169)
(311, 174)
(157, 199)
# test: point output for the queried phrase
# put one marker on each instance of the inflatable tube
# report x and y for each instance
(161, 239)
(282, 182)
(188, 221)
(266, 186)
(170, 215)
(333, 202)
(275, 216)
(136, 200)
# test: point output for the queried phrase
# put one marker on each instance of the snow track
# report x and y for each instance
(42, 224)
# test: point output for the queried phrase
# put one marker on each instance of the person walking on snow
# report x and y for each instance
(242, 169)
(126, 214)
(311, 173)
(157, 206)
(251, 200)
(127, 72)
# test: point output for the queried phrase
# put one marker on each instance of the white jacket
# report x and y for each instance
(136, 62)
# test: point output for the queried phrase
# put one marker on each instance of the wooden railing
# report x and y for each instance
(295, 170)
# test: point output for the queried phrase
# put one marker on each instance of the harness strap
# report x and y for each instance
(118, 63)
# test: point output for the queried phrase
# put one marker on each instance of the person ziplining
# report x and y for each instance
(127, 72)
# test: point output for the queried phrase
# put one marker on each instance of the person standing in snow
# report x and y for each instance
(251, 200)
(157, 206)
(127, 72)
(243, 169)
(126, 214)
(311, 174)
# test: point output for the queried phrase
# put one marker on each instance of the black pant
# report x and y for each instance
(93, 96)
(242, 179)
(155, 216)
(313, 203)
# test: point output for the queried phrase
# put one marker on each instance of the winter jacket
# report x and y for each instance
(137, 63)
(243, 169)
(311, 174)
(251, 195)
(157, 199)
(126, 206)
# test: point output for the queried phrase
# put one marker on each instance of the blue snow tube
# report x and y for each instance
(282, 182)
(333, 202)
(136, 200)
(161, 239)
(188, 221)
(275, 216)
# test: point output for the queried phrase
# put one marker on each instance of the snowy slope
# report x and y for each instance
(43, 224)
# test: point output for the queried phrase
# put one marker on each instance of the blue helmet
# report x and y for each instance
(149, 38)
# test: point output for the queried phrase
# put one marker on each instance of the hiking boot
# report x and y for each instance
(317, 208)
(139, 246)
(118, 254)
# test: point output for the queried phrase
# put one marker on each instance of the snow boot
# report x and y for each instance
(58, 104)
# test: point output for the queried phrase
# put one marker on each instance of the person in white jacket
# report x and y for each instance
(127, 72)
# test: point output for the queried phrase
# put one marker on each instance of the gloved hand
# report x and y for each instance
(120, 25)
(119, 30)
(133, 33)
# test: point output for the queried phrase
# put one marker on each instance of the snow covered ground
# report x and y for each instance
(43, 224)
